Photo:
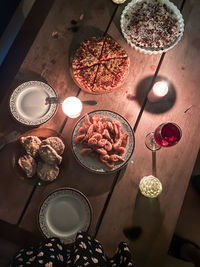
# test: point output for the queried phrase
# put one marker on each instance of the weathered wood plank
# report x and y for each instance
(91, 25)
(157, 218)
(48, 61)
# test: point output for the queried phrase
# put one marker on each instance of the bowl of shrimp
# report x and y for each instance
(103, 141)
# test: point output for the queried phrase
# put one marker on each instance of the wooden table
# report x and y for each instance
(117, 205)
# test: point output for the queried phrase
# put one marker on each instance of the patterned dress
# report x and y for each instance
(85, 252)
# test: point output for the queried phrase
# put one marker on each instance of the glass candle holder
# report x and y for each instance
(72, 106)
(150, 186)
(119, 1)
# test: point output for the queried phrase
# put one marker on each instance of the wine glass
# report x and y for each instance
(166, 135)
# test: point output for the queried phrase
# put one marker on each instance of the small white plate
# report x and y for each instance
(92, 163)
(28, 103)
(63, 213)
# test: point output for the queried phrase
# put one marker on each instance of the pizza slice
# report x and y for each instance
(85, 77)
(112, 49)
(105, 80)
(83, 58)
(95, 45)
(118, 66)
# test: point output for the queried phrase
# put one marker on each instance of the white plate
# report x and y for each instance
(93, 163)
(63, 213)
(28, 103)
(146, 50)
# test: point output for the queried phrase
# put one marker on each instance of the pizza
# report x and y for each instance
(100, 65)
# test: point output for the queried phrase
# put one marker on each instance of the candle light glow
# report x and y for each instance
(72, 107)
(159, 90)
(150, 186)
(118, 1)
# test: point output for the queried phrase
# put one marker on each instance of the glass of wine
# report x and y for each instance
(166, 135)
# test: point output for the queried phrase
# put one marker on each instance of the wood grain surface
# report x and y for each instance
(146, 224)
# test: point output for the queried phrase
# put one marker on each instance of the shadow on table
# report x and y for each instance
(147, 223)
(164, 104)
(146, 233)
(26, 75)
(90, 183)
(84, 33)
(146, 212)
(22, 43)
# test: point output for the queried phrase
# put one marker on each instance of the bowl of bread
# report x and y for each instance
(39, 154)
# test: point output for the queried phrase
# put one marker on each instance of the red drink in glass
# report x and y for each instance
(167, 134)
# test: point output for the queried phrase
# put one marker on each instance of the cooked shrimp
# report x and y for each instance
(108, 146)
(97, 136)
(102, 118)
(95, 118)
(92, 141)
(87, 119)
(115, 158)
(120, 150)
(118, 124)
(101, 151)
(106, 134)
(116, 130)
(82, 130)
(102, 142)
(79, 138)
(110, 126)
(117, 144)
(100, 127)
(109, 164)
(90, 131)
(125, 140)
(104, 158)
(86, 126)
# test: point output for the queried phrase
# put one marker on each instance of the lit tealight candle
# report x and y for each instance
(150, 186)
(72, 106)
(159, 90)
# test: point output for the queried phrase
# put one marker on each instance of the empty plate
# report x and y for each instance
(63, 213)
(28, 103)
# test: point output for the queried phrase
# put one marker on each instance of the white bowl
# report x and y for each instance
(151, 51)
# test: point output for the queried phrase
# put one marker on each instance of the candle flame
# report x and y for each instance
(160, 88)
(72, 106)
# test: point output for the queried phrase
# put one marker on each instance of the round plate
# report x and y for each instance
(92, 163)
(28, 103)
(149, 50)
(18, 151)
(63, 213)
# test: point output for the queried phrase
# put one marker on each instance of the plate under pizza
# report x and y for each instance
(116, 156)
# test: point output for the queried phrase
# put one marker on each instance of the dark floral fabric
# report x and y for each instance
(85, 252)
